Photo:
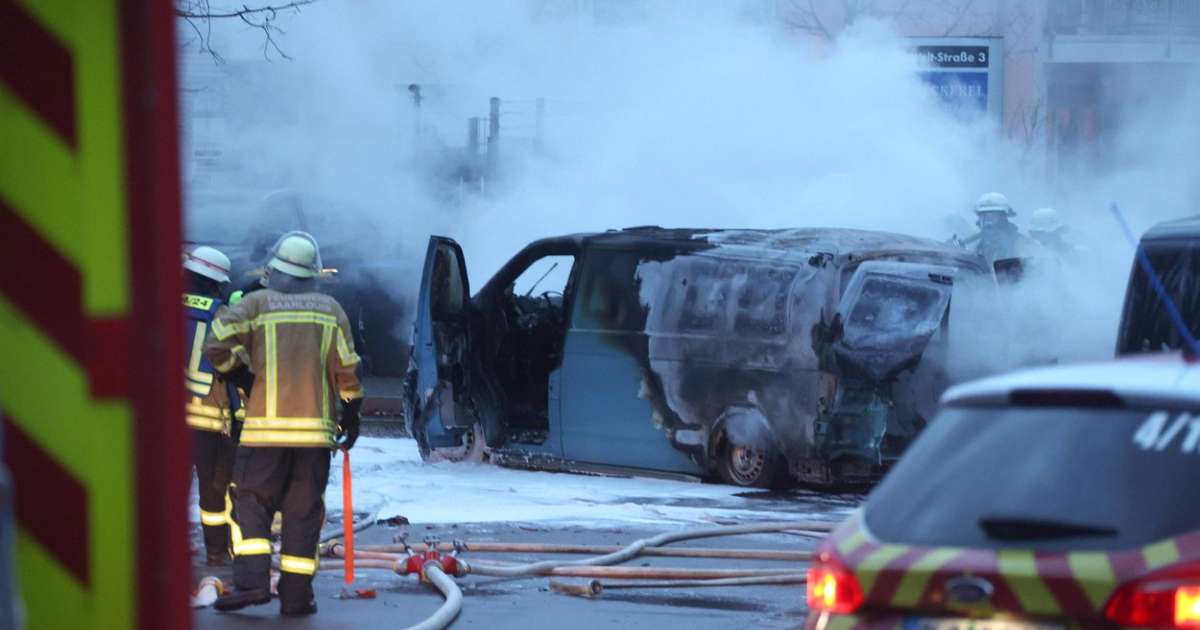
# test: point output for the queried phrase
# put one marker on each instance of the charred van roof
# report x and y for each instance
(836, 241)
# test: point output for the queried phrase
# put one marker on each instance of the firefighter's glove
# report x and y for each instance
(348, 427)
(241, 377)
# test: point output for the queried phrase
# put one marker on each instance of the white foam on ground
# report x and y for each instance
(389, 476)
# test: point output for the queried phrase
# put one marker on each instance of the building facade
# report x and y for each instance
(1070, 70)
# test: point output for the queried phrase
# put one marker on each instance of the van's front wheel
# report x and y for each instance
(472, 450)
(747, 466)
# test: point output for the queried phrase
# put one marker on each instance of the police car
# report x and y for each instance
(1063, 497)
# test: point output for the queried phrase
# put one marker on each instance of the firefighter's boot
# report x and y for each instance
(298, 610)
(241, 598)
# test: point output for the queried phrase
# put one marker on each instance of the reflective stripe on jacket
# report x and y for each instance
(208, 408)
(301, 351)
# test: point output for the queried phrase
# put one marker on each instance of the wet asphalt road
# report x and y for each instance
(528, 603)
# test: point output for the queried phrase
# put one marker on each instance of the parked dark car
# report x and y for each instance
(739, 355)
(1174, 252)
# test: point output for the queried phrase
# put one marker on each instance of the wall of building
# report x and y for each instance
(1073, 69)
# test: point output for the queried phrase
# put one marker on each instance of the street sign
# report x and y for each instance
(966, 73)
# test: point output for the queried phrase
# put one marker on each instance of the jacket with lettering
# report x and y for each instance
(301, 351)
(211, 404)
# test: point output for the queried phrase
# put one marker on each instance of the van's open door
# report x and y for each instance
(441, 344)
(889, 312)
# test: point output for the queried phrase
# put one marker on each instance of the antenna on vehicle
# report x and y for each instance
(539, 280)
(1191, 347)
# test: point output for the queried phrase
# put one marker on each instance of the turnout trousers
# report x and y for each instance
(212, 454)
(289, 480)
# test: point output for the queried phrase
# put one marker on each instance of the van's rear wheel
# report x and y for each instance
(747, 466)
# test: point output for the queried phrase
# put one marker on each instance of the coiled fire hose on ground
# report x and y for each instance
(598, 566)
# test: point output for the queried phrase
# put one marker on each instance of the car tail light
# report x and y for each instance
(1163, 600)
(1187, 606)
(832, 587)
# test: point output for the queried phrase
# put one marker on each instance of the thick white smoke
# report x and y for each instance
(681, 114)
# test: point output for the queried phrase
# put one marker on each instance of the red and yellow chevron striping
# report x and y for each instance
(1026, 582)
(89, 212)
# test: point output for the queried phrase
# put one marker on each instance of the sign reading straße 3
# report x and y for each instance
(965, 72)
(954, 56)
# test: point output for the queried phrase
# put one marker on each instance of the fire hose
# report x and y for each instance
(633, 550)
(670, 552)
(397, 564)
(449, 610)
(337, 534)
(436, 568)
(595, 587)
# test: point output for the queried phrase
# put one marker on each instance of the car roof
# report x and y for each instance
(1179, 228)
(1140, 381)
(788, 242)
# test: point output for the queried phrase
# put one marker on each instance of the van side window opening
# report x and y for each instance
(763, 301)
(734, 297)
(547, 274)
(706, 300)
(607, 298)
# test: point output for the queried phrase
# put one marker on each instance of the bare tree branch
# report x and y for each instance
(203, 39)
(806, 19)
(206, 14)
(262, 18)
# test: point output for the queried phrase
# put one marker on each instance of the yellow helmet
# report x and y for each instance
(297, 255)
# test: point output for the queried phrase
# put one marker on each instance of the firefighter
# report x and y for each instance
(999, 238)
(1046, 228)
(297, 343)
(212, 403)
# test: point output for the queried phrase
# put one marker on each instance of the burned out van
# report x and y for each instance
(734, 355)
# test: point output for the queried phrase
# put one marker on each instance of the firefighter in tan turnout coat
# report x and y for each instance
(298, 344)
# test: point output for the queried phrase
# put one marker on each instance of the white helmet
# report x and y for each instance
(1045, 220)
(297, 255)
(994, 202)
(207, 262)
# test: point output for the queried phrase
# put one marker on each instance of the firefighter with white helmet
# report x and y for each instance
(1048, 230)
(297, 342)
(998, 237)
(213, 403)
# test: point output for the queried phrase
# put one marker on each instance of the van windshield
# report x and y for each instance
(890, 309)
(1043, 477)
(1145, 324)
